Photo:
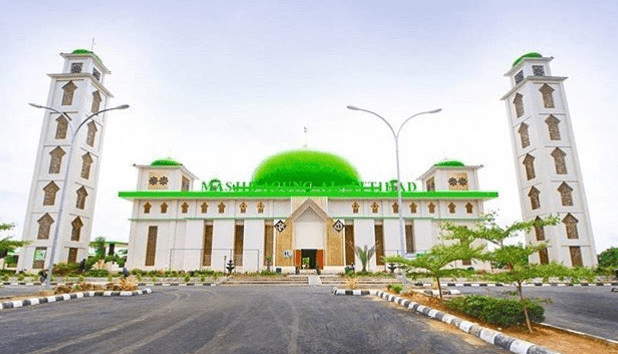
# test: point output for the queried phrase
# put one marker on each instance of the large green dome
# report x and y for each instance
(302, 166)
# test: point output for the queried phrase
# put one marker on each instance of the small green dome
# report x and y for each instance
(165, 162)
(86, 52)
(449, 163)
(527, 55)
(302, 166)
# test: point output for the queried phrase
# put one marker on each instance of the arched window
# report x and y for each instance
(164, 208)
(86, 163)
(76, 228)
(81, 198)
(523, 135)
(355, 208)
(469, 208)
(539, 231)
(147, 207)
(61, 127)
(451, 208)
(552, 126)
(395, 208)
(543, 256)
(570, 223)
(535, 201)
(221, 208)
(529, 166)
(518, 101)
(243, 207)
(566, 195)
(559, 161)
(260, 207)
(204, 207)
(375, 208)
(184, 207)
(96, 102)
(45, 223)
(50, 193)
(413, 207)
(56, 160)
(67, 95)
(92, 131)
(431, 207)
(548, 97)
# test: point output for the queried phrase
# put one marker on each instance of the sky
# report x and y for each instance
(221, 85)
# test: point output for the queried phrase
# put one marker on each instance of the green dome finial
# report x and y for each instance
(165, 162)
(302, 166)
(527, 55)
(86, 52)
(449, 163)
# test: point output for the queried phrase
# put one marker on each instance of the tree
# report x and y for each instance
(514, 258)
(609, 258)
(434, 263)
(6, 244)
(365, 254)
(99, 247)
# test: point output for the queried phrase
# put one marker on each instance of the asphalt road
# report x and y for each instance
(234, 319)
(588, 309)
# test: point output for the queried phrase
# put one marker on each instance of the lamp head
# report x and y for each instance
(435, 110)
(354, 108)
(36, 105)
(124, 106)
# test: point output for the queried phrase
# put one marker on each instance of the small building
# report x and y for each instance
(301, 207)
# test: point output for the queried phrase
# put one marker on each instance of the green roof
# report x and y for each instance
(527, 55)
(86, 52)
(311, 193)
(449, 163)
(302, 166)
(165, 162)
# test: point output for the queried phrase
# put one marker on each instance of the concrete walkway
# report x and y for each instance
(314, 280)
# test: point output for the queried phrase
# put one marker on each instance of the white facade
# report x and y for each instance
(77, 91)
(548, 173)
(190, 230)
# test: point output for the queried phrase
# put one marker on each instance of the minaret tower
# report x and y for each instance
(78, 92)
(548, 174)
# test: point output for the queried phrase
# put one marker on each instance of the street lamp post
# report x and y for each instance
(63, 194)
(396, 136)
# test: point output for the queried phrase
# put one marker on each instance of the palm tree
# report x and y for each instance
(365, 255)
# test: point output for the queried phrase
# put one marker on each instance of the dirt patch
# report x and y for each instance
(554, 339)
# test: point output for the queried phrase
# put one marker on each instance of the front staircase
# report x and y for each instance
(330, 280)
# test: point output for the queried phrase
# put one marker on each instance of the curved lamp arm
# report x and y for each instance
(377, 115)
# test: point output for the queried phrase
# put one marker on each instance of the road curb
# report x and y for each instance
(490, 336)
(71, 296)
(177, 284)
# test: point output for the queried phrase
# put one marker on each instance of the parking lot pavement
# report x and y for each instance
(592, 310)
(240, 319)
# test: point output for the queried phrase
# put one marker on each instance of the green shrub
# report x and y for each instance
(504, 312)
(138, 277)
(396, 287)
(21, 277)
(81, 279)
(5, 277)
(187, 278)
(97, 273)
(63, 269)
(203, 279)
(109, 279)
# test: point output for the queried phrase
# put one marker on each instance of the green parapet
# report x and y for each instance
(165, 162)
(527, 55)
(309, 192)
(86, 52)
(305, 166)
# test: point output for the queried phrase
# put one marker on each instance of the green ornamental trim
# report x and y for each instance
(305, 166)
(86, 52)
(527, 55)
(312, 193)
(165, 162)
(449, 163)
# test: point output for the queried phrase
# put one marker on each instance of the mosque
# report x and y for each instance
(302, 208)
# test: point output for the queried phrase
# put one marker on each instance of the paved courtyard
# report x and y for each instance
(236, 319)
